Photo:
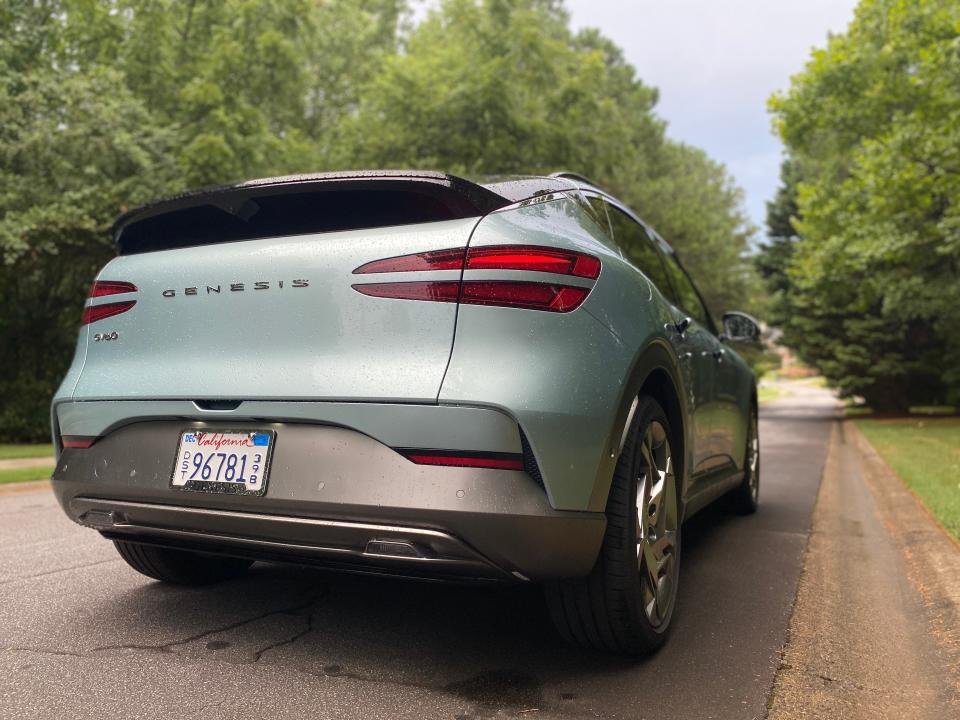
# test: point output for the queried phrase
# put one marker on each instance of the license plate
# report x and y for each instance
(236, 462)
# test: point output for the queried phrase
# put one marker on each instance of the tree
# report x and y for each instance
(74, 151)
(773, 257)
(106, 104)
(694, 203)
(874, 121)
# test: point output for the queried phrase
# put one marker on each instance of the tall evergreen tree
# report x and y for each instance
(874, 123)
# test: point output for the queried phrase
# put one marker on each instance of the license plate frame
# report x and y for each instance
(224, 487)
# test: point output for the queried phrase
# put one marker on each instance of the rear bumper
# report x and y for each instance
(334, 496)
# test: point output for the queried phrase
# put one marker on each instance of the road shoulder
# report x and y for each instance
(874, 631)
(21, 488)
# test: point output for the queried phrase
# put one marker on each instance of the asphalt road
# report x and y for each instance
(82, 635)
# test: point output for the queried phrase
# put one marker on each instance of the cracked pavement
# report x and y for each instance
(82, 635)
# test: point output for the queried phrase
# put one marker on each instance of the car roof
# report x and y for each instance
(484, 193)
(520, 187)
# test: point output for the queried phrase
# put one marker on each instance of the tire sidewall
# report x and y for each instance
(648, 410)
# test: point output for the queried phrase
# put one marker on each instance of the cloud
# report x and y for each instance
(716, 63)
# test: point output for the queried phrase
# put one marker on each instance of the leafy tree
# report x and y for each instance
(874, 120)
(693, 202)
(73, 152)
(106, 104)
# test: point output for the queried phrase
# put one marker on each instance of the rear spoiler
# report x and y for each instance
(298, 204)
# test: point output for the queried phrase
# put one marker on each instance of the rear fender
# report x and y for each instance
(656, 361)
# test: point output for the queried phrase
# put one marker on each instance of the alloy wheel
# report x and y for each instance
(753, 458)
(657, 523)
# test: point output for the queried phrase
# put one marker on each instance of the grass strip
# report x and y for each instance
(16, 452)
(926, 455)
(25, 474)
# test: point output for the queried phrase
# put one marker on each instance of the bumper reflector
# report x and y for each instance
(78, 441)
(455, 458)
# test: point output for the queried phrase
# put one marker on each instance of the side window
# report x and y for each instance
(599, 208)
(638, 247)
(687, 297)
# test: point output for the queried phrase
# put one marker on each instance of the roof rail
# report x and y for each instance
(576, 177)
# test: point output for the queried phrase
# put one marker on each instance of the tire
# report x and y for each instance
(745, 498)
(180, 567)
(611, 608)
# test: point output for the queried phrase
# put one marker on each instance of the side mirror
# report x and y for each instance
(739, 327)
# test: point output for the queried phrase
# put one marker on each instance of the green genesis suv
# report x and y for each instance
(408, 373)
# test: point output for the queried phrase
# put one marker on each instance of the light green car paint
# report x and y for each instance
(408, 373)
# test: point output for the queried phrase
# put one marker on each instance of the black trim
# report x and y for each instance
(460, 197)
(530, 460)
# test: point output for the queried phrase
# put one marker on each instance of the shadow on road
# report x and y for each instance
(492, 646)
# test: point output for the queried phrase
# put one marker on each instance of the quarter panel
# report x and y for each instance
(565, 377)
(69, 382)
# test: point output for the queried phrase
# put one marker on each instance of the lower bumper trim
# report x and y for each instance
(409, 551)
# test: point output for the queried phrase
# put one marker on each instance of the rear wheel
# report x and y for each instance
(626, 603)
(180, 567)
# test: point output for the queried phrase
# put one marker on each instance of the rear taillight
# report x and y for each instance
(435, 291)
(551, 297)
(111, 287)
(454, 458)
(539, 259)
(533, 296)
(99, 312)
(435, 260)
(529, 295)
(101, 288)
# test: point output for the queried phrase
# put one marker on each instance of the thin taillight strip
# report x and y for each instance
(111, 287)
(444, 291)
(534, 258)
(451, 259)
(500, 293)
(101, 312)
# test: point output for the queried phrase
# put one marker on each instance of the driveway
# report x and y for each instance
(83, 636)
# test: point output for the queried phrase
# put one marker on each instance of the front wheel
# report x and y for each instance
(626, 603)
(746, 496)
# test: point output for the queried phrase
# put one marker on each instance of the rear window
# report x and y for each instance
(250, 216)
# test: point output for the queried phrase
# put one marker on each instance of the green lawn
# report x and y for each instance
(12, 452)
(926, 454)
(26, 474)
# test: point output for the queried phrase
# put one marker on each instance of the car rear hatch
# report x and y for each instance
(245, 292)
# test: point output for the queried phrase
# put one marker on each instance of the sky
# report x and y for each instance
(715, 63)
